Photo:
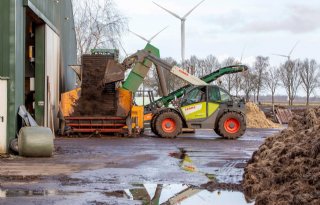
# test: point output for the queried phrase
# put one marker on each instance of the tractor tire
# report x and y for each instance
(216, 130)
(168, 125)
(232, 125)
(153, 124)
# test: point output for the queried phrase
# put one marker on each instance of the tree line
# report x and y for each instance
(100, 25)
(291, 76)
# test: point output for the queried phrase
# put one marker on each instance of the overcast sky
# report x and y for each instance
(225, 27)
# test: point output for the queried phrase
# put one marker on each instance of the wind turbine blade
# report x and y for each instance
(143, 38)
(280, 55)
(244, 48)
(170, 12)
(293, 48)
(187, 14)
(157, 34)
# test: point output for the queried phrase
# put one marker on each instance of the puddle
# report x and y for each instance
(229, 172)
(30, 193)
(153, 194)
(174, 194)
(186, 163)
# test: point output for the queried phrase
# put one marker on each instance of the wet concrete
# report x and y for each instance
(100, 170)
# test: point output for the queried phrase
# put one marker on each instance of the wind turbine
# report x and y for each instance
(289, 55)
(150, 39)
(160, 72)
(183, 20)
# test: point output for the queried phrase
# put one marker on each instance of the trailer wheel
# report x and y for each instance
(231, 125)
(168, 125)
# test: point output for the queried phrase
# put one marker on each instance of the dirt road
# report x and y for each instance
(144, 170)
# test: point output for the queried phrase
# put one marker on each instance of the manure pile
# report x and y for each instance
(286, 168)
(256, 117)
(97, 98)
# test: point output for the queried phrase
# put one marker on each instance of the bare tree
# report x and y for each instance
(260, 66)
(192, 65)
(210, 64)
(238, 81)
(98, 24)
(290, 77)
(273, 81)
(248, 85)
(309, 73)
(228, 80)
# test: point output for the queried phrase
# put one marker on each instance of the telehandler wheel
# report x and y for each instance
(168, 125)
(153, 124)
(216, 130)
(231, 125)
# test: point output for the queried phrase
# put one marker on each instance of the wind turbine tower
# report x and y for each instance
(183, 21)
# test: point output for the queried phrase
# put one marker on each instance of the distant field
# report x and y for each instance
(296, 104)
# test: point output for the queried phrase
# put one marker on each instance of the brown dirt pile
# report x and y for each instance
(97, 97)
(286, 168)
(257, 119)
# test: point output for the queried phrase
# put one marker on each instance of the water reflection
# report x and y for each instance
(26, 193)
(172, 194)
(154, 194)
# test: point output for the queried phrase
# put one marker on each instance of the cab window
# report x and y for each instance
(194, 96)
(214, 94)
(225, 97)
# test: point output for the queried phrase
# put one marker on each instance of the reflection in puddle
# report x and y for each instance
(154, 194)
(26, 193)
(231, 171)
(172, 194)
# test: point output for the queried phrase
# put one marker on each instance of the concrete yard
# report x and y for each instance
(143, 170)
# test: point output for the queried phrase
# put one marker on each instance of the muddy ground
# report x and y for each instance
(196, 168)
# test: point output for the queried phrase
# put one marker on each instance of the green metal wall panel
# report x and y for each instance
(18, 62)
(59, 16)
(40, 75)
(11, 58)
(12, 49)
(4, 37)
(68, 46)
(50, 9)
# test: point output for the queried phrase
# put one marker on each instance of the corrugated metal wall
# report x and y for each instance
(68, 47)
(12, 48)
(5, 37)
(12, 58)
(61, 16)
(51, 9)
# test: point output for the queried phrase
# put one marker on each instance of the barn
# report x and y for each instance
(37, 45)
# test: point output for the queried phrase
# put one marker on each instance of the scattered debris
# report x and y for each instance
(285, 169)
(283, 115)
(257, 119)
